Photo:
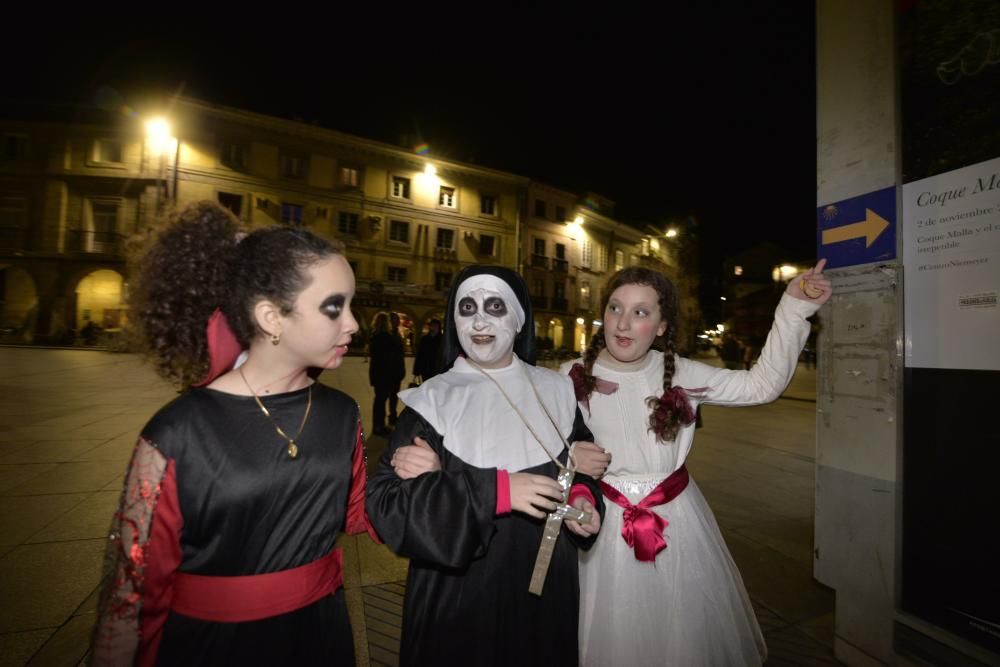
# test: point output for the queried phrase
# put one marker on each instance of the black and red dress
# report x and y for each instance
(222, 549)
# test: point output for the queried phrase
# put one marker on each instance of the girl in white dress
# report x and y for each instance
(659, 587)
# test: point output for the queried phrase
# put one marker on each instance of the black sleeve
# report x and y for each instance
(444, 517)
(581, 432)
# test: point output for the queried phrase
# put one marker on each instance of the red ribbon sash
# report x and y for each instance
(257, 596)
(642, 529)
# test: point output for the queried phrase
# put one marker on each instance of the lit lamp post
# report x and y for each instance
(158, 140)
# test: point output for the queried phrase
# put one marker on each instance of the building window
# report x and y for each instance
(13, 221)
(395, 274)
(14, 145)
(539, 248)
(446, 197)
(108, 151)
(347, 223)
(585, 294)
(349, 177)
(539, 208)
(619, 260)
(233, 156)
(487, 204)
(487, 245)
(633, 260)
(559, 290)
(445, 239)
(291, 214)
(586, 253)
(602, 257)
(233, 201)
(102, 235)
(560, 251)
(560, 213)
(400, 187)
(645, 247)
(442, 281)
(539, 287)
(294, 166)
(399, 231)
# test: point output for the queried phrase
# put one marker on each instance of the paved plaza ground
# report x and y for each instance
(69, 420)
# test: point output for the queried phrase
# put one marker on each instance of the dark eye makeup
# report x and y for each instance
(333, 306)
(495, 306)
(467, 307)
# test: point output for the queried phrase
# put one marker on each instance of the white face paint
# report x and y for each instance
(487, 325)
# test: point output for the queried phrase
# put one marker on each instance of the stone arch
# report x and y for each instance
(99, 297)
(18, 304)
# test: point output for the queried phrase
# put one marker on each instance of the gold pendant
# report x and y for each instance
(293, 449)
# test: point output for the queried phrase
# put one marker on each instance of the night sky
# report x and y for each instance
(706, 112)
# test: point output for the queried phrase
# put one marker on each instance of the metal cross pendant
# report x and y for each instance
(553, 524)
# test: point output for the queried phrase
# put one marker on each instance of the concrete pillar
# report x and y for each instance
(860, 360)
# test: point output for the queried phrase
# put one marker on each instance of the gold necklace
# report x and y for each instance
(293, 449)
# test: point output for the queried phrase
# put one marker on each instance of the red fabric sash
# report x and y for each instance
(642, 529)
(257, 596)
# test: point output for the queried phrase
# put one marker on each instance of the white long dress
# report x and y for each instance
(690, 607)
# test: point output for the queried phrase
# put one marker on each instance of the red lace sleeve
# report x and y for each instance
(142, 555)
(357, 519)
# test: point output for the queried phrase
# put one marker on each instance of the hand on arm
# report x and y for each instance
(591, 459)
(414, 460)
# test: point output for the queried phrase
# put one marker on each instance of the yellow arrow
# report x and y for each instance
(873, 225)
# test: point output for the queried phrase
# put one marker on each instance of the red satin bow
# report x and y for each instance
(642, 529)
(606, 387)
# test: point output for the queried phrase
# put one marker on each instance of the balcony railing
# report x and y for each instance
(13, 238)
(102, 243)
(540, 302)
(560, 265)
(560, 304)
(539, 261)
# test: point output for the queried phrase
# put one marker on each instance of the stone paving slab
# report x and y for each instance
(65, 442)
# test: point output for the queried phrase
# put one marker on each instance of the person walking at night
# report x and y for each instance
(731, 352)
(386, 370)
(465, 485)
(660, 587)
(222, 547)
(428, 352)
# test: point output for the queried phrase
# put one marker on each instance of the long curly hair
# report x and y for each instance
(669, 412)
(200, 258)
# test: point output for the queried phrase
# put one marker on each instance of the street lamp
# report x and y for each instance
(160, 139)
(158, 135)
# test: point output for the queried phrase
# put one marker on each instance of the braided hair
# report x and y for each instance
(671, 411)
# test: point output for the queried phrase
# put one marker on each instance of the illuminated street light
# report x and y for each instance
(671, 233)
(722, 298)
(785, 272)
(579, 320)
(158, 135)
(430, 169)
